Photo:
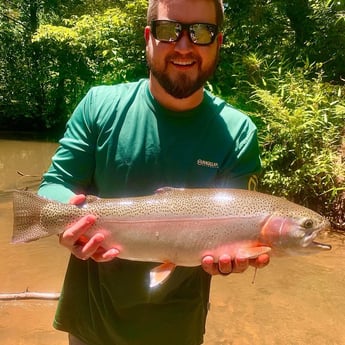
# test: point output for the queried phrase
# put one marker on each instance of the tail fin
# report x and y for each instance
(27, 208)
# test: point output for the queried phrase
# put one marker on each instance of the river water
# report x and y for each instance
(296, 300)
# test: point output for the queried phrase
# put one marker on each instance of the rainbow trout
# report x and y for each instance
(180, 226)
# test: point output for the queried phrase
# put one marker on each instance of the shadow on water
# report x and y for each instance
(297, 300)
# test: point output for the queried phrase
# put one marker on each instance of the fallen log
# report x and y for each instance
(29, 295)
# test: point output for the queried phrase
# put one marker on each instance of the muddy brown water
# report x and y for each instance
(295, 300)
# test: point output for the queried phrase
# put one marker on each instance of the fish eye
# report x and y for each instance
(308, 223)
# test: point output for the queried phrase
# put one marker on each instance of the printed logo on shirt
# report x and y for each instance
(208, 164)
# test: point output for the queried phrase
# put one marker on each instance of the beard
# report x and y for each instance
(182, 85)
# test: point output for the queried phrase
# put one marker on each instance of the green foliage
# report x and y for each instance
(54, 65)
(52, 51)
(327, 40)
(279, 31)
(282, 61)
(16, 67)
(300, 124)
(89, 50)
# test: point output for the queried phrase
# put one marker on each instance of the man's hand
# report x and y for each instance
(226, 265)
(81, 246)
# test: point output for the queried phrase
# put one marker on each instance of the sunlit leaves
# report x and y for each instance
(301, 124)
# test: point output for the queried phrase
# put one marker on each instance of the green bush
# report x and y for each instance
(301, 122)
(86, 51)
(55, 66)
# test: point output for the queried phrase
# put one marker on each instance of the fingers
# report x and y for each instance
(209, 266)
(77, 199)
(74, 239)
(82, 246)
(223, 266)
(240, 265)
(93, 249)
(75, 232)
(106, 256)
(261, 261)
(226, 265)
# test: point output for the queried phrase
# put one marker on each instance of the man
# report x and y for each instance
(129, 140)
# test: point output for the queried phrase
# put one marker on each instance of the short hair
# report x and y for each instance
(153, 5)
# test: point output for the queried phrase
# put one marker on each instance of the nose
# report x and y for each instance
(184, 44)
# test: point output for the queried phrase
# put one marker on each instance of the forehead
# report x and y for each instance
(187, 11)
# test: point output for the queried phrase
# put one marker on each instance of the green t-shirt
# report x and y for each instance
(121, 142)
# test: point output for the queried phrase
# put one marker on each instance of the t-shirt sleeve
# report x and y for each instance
(73, 163)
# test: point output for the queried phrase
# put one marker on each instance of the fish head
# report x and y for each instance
(294, 234)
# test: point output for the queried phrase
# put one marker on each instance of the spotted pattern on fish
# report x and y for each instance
(179, 225)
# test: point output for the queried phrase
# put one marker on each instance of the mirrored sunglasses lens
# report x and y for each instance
(167, 31)
(202, 33)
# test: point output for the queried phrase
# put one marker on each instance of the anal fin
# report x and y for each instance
(160, 274)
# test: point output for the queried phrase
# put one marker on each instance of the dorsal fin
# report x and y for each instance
(91, 198)
(168, 189)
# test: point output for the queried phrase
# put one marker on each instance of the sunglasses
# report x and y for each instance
(171, 31)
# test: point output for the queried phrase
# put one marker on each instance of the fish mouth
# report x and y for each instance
(309, 243)
(312, 247)
(320, 246)
(308, 239)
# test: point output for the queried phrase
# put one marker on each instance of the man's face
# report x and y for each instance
(181, 68)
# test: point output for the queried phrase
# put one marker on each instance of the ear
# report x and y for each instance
(220, 39)
(147, 32)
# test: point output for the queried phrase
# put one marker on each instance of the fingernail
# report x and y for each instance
(114, 252)
(207, 260)
(111, 254)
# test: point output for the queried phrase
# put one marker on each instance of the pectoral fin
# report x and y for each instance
(253, 252)
(161, 273)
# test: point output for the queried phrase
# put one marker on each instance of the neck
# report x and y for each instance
(172, 103)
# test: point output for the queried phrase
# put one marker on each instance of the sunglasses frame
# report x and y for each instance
(186, 27)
